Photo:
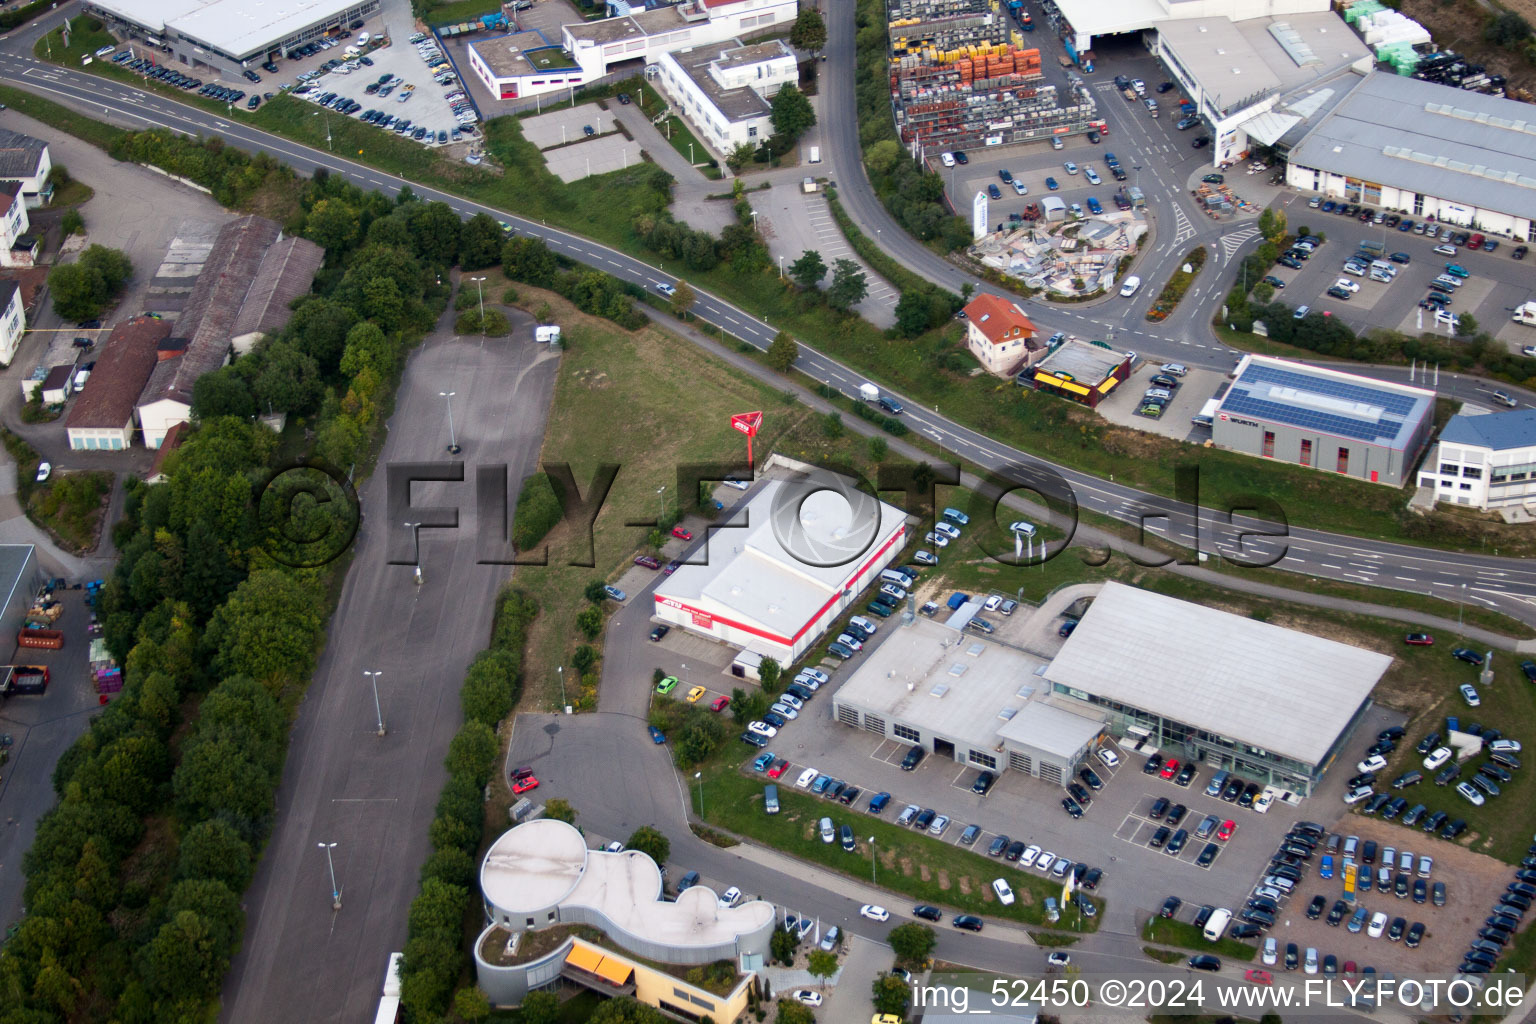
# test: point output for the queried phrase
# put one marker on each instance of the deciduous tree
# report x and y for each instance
(809, 32)
(809, 269)
(912, 941)
(848, 286)
(791, 113)
(782, 352)
(649, 841)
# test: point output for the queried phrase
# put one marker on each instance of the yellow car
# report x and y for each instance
(885, 1018)
(694, 694)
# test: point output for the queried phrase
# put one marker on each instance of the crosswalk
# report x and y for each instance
(1183, 230)
(1230, 243)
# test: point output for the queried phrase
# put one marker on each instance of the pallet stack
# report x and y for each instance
(105, 672)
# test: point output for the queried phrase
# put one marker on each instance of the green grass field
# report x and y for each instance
(925, 869)
(1187, 936)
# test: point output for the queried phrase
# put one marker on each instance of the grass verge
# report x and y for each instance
(1162, 956)
(676, 131)
(1186, 936)
(925, 869)
(1054, 939)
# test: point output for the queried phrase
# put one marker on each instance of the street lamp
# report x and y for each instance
(377, 707)
(453, 444)
(481, 292)
(318, 113)
(872, 860)
(560, 671)
(699, 776)
(781, 268)
(335, 892)
(661, 504)
(415, 529)
(690, 152)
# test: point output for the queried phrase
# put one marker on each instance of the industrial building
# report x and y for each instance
(1428, 150)
(26, 161)
(18, 247)
(1000, 335)
(1080, 21)
(645, 36)
(523, 64)
(959, 695)
(540, 877)
(1081, 371)
(1325, 419)
(1271, 704)
(20, 580)
(784, 566)
(102, 415)
(251, 276)
(724, 92)
(1487, 461)
(13, 320)
(227, 35)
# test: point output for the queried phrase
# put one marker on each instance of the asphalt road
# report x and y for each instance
(1507, 585)
(374, 796)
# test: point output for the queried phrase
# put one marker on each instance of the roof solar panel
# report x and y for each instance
(1382, 418)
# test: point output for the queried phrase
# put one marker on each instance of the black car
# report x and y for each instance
(1176, 815)
(1315, 908)
(1262, 918)
(983, 783)
(924, 819)
(1091, 879)
(1249, 795)
(1171, 906)
(1207, 855)
(969, 922)
(1400, 887)
(1444, 776)
(1420, 890)
(1292, 956)
(1453, 829)
(1079, 794)
(1368, 852)
(1428, 743)
(1437, 894)
(1415, 934)
(1177, 842)
(1159, 808)
(1203, 915)
(849, 795)
(1494, 934)
(998, 846)
(1072, 807)
(927, 913)
(1340, 908)
(1467, 655)
(1089, 776)
(1159, 837)
(251, 76)
(1494, 771)
(1153, 766)
(1286, 261)
(1015, 849)
(1233, 791)
(1394, 807)
(1363, 779)
(1245, 930)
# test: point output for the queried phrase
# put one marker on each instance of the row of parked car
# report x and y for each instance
(1470, 239)
(1499, 928)
(156, 72)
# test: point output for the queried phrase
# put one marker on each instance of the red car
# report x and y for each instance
(779, 768)
(1419, 640)
(682, 534)
(1225, 831)
(1259, 977)
(524, 784)
(647, 562)
(719, 703)
(1170, 769)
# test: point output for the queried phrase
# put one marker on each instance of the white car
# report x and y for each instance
(947, 529)
(925, 558)
(1004, 893)
(992, 602)
(666, 289)
(1023, 526)
(1378, 924)
(1018, 186)
(1311, 961)
(875, 913)
(947, 159)
(789, 700)
(1263, 802)
(1374, 763)
(1270, 952)
(1092, 175)
(850, 641)
(731, 897)
(763, 729)
(1468, 793)
(1436, 758)
(1347, 285)
(936, 540)
(805, 995)
(1071, 167)
(806, 778)
(1059, 959)
(1109, 757)
(614, 847)
(44, 469)
(1446, 250)
(816, 674)
(784, 711)
(1445, 316)
(1426, 865)
(1027, 858)
(1045, 861)
(1469, 695)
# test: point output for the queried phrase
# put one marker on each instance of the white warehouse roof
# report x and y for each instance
(1282, 690)
(236, 27)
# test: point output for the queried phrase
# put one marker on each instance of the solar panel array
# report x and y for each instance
(1396, 408)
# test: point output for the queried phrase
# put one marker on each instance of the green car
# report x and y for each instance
(881, 609)
(666, 685)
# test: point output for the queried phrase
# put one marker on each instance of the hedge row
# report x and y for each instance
(538, 512)
(888, 423)
(435, 954)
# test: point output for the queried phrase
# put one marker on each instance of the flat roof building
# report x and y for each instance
(724, 92)
(1082, 371)
(959, 695)
(1325, 419)
(1487, 461)
(783, 567)
(598, 45)
(102, 416)
(540, 876)
(1272, 704)
(1428, 150)
(522, 64)
(228, 34)
(1082, 20)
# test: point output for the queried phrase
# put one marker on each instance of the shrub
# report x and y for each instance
(538, 511)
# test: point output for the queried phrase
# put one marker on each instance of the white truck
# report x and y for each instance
(1525, 313)
(869, 392)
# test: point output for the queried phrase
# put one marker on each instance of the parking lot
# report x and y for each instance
(1124, 404)
(1497, 283)
(1031, 164)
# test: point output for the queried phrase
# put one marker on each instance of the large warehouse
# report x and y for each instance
(228, 34)
(1268, 703)
(961, 696)
(772, 578)
(1427, 150)
(1324, 419)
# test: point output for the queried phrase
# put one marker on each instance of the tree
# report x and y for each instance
(649, 841)
(471, 1004)
(530, 260)
(748, 706)
(740, 157)
(289, 380)
(822, 965)
(1508, 30)
(560, 810)
(480, 242)
(809, 32)
(224, 392)
(792, 1012)
(72, 223)
(625, 1010)
(320, 327)
(213, 849)
(832, 425)
(333, 224)
(771, 675)
(878, 449)
(791, 113)
(1466, 326)
(76, 291)
(590, 621)
(683, 298)
(809, 269)
(912, 312)
(472, 752)
(912, 942)
(781, 945)
(891, 994)
(267, 629)
(848, 286)
(540, 1007)
(183, 959)
(783, 352)
(594, 591)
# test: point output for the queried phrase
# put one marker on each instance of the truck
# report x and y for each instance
(26, 680)
(869, 392)
(1525, 313)
(50, 639)
(1129, 94)
(1135, 195)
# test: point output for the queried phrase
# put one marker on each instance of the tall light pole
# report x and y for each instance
(661, 502)
(377, 707)
(699, 777)
(335, 892)
(560, 671)
(415, 529)
(872, 860)
(480, 290)
(318, 113)
(781, 268)
(453, 444)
